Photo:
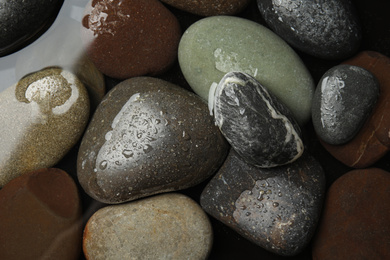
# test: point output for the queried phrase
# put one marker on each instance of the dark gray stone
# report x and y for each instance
(146, 137)
(277, 209)
(23, 20)
(325, 29)
(343, 100)
(258, 127)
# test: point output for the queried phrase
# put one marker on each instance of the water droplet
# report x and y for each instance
(118, 163)
(247, 214)
(147, 148)
(280, 194)
(260, 197)
(103, 165)
(127, 153)
(243, 207)
(157, 121)
(108, 136)
(186, 136)
(275, 204)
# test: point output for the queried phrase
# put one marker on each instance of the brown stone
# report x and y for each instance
(168, 226)
(373, 140)
(40, 217)
(355, 219)
(209, 7)
(130, 38)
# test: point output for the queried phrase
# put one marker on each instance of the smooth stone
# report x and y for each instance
(277, 209)
(130, 38)
(168, 226)
(214, 46)
(148, 136)
(22, 21)
(355, 219)
(209, 7)
(42, 117)
(372, 142)
(257, 125)
(41, 217)
(343, 100)
(325, 29)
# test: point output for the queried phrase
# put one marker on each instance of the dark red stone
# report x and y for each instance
(130, 38)
(373, 140)
(356, 217)
(40, 217)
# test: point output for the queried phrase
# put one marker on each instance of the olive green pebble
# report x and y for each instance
(216, 45)
(42, 117)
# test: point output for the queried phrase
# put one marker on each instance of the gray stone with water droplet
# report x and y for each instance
(277, 208)
(256, 124)
(343, 100)
(148, 136)
(325, 29)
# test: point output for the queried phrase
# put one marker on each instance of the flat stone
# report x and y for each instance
(209, 7)
(40, 217)
(214, 46)
(325, 29)
(22, 21)
(169, 226)
(42, 117)
(148, 136)
(277, 209)
(372, 142)
(355, 219)
(132, 38)
(257, 125)
(343, 100)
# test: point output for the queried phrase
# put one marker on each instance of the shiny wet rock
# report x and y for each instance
(43, 116)
(325, 29)
(257, 125)
(344, 99)
(277, 209)
(148, 136)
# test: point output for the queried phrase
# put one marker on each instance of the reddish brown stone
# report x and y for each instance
(40, 217)
(373, 140)
(130, 38)
(209, 7)
(356, 216)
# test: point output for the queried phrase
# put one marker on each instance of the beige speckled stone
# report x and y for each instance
(169, 226)
(42, 117)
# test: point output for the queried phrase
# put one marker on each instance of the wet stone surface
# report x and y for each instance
(168, 226)
(42, 117)
(148, 136)
(277, 209)
(325, 29)
(372, 142)
(40, 217)
(210, 7)
(355, 221)
(23, 20)
(130, 38)
(343, 100)
(256, 124)
(214, 46)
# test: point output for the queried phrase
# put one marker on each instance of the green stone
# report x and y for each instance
(216, 45)
(42, 117)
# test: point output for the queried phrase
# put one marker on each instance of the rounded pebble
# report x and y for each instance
(148, 136)
(130, 38)
(214, 46)
(169, 226)
(40, 217)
